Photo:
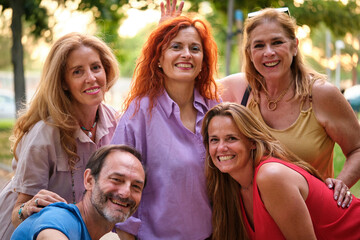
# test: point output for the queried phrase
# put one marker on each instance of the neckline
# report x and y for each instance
(303, 113)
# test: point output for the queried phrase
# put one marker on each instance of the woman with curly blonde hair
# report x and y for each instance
(65, 123)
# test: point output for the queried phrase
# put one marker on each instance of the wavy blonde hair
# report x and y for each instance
(51, 103)
(223, 190)
(302, 74)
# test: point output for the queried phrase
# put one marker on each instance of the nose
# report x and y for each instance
(222, 146)
(124, 191)
(269, 51)
(90, 76)
(186, 53)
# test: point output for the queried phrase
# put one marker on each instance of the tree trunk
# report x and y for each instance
(17, 53)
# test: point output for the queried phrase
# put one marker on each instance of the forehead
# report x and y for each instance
(222, 124)
(124, 163)
(267, 30)
(81, 52)
(187, 34)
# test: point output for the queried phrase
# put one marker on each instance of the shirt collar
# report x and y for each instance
(102, 128)
(168, 105)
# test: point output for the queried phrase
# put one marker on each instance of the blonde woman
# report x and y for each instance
(65, 123)
(297, 105)
(260, 190)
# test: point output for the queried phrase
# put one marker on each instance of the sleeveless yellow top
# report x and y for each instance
(306, 138)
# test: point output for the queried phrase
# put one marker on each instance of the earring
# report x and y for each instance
(295, 54)
(159, 65)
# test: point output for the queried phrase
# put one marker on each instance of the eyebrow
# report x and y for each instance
(273, 39)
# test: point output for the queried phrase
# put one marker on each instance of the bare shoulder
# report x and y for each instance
(329, 104)
(49, 233)
(233, 87)
(271, 173)
(324, 91)
(276, 174)
(237, 79)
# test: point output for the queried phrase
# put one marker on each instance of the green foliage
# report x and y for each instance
(339, 160)
(5, 144)
(128, 50)
(6, 125)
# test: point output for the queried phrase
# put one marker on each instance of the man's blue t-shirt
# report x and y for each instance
(60, 216)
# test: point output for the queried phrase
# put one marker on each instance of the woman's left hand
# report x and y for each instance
(170, 12)
(342, 193)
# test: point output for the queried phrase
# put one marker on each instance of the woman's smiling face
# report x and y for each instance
(272, 51)
(229, 149)
(182, 58)
(85, 77)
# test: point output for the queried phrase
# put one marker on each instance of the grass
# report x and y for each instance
(5, 145)
(339, 160)
(6, 156)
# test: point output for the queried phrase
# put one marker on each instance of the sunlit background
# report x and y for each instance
(321, 50)
(65, 19)
(133, 30)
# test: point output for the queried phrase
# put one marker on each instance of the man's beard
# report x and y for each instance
(99, 200)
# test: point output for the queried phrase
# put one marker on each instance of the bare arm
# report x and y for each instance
(233, 87)
(124, 235)
(341, 124)
(44, 198)
(170, 11)
(283, 192)
(49, 234)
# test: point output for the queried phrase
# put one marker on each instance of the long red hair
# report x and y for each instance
(148, 79)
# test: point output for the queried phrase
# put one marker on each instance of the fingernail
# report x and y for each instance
(343, 206)
(339, 203)
(335, 197)
(330, 185)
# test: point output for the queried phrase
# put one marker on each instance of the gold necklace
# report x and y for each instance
(272, 104)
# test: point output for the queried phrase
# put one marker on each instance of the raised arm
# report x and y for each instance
(341, 124)
(283, 192)
(170, 11)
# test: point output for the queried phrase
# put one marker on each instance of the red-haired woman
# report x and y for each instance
(172, 89)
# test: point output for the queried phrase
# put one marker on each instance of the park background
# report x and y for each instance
(329, 34)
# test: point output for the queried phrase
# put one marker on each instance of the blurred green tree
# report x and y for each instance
(340, 18)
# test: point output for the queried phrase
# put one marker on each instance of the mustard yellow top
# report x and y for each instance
(306, 138)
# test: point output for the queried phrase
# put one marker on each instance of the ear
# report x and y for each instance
(89, 180)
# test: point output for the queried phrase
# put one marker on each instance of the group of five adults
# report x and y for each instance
(213, 171)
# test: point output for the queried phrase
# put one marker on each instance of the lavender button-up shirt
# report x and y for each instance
(174, 203)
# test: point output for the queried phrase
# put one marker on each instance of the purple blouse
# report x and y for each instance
(174, 203)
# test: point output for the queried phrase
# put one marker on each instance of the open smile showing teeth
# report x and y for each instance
(92, 90)
(225, 158)
(119, 203)
(271, 64)
(184, 65)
